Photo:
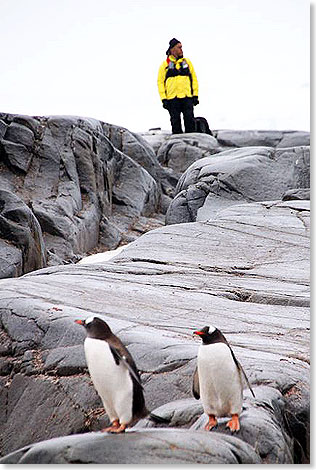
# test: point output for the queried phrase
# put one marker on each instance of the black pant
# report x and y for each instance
(175, 108)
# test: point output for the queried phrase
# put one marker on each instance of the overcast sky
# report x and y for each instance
(100, 59)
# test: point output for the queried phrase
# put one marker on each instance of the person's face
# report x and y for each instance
(177, 51)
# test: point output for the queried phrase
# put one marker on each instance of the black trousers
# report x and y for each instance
(175, 108)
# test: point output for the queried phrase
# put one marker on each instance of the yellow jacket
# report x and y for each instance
(177, 79)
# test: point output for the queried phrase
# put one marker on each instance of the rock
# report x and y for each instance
(133, 145)
(165, 202)
(141, 150)
(234, 176)
(260, 426)
(257, 138)
(83, 190)
(297, 414)
(22, 244)
(172, 446)
(179, 151)
(293, 194)
(17, 155)
(11, 259)
(16, 146)
(295, 139)
(89, 183)
(34, 399)
(156, 138)
(3, 128)
(246, 271)
(20, 134)
(233, 138)
(187, 203)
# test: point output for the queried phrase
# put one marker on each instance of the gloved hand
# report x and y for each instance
(195, 100)
(165, 104)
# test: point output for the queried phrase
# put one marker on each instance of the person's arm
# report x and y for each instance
(195, 85)
(161, 81)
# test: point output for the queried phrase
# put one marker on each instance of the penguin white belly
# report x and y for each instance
(220, 381)
(112, 382)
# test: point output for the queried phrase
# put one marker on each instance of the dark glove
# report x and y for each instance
(195, 100)
(165, 104)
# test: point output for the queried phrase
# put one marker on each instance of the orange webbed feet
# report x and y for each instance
(120, 429)
(212, 423)
(233, 424)
(114, 425)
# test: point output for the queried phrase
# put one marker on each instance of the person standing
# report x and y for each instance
(178, 88)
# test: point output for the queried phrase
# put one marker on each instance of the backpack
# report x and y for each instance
(201, 125)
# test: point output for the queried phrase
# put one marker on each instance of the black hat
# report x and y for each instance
(172, 43)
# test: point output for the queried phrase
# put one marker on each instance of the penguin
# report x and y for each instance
(217, 379)
(114, 375)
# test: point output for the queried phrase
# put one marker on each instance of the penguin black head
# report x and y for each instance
(96, 328)
(207, 334)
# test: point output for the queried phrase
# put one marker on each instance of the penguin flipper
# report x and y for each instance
(118, 358)
(247, 381)
(116, 355)
(241, 369)
(196, 384)
(133, 373)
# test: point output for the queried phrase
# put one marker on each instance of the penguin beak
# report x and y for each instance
(199, 333)
(80, 322)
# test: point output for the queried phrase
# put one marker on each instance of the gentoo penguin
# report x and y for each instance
(114, 375)
(218, 379)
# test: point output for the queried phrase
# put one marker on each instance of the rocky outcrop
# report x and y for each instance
(277, 139)
(76, 184)
(146, 447)
(70, 185)
(239, 175)
(178, 152)
(22, 246)
(245, 271)
(80, 185)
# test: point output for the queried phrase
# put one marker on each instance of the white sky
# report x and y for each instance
(100, 59)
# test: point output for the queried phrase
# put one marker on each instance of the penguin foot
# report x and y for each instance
(120, 429)
(115, 425)
(233, 424)
(212, 423)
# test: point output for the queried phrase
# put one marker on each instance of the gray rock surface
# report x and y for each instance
(237, 138)
(239, 175)
(22, 246)
(83, 185)
(156, 138)
(278, 139)
(77, 184)
(245, 271)
(293, 194)
(179, 151)
(171, 446)
(249, 167)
